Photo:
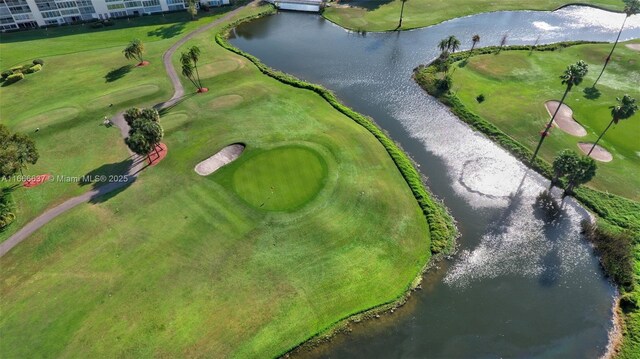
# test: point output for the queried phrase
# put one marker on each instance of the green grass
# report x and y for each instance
(280, 179)
(532, 79)
(180, 265)
(91, 77)
(383, 15)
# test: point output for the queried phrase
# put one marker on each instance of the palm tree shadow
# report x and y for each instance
(118, 73)
(591, 93)
(555, 223)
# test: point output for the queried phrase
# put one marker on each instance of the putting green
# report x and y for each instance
(225, 101)
(280, 179)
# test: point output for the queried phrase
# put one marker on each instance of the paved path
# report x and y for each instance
(139, 163)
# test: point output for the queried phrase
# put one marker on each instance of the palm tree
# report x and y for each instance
(134, 50)
(572, 76)
(443, 45)
(626, 108)
(188, 69)
(631, 7)
(475, 39)
(194, 54)
(401, 14)
(453, 44)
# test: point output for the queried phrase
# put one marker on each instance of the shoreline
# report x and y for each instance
(442, 228)
(583, 195)
(461, 17)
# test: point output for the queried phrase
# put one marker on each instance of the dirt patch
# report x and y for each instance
(598, 154)
(564, 119)
(155, 158)
(36, 181)
(223, 157)
(633, 46)
(225, 101)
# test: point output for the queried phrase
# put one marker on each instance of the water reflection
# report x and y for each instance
(523, 284)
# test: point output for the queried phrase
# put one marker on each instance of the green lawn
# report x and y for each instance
(383, 15)
(532, 79)
(181, 265)
(93, 76)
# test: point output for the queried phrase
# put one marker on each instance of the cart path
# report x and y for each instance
(139, 163)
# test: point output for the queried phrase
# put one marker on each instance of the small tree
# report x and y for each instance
(16, 152)
(503, 42)
(584, 171)
(145, 131)
(475, 40)
(626, 108)
(572, 76)
(138, 144)
(192, 8)
(134, 51)
(564, 163)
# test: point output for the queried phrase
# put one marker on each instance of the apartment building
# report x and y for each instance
(17, 14)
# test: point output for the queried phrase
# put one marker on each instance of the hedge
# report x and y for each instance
(14, 78)
(441, 225)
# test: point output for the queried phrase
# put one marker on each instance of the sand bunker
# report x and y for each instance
(223, 157)
(564, 119)
(633, 47)
(598, 154)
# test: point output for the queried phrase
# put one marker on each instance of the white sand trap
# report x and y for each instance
(633, 47)
(223, 157)
(598, 154)
(564, 119)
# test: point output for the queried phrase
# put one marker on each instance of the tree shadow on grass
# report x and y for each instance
(366, 4)
(93, 177)
(591, 93)
(117, 74)
(167, 32)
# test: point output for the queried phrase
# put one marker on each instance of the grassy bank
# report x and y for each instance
(182, 265)
(383, 15)
(515, 121)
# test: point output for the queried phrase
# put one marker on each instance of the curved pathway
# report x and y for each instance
(138, 164)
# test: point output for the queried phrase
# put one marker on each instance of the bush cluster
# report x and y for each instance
(14, 78)
(102, 23)
(6, 209)
(441, 225)
(17, 73)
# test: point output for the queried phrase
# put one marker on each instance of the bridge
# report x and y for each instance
(298, 5)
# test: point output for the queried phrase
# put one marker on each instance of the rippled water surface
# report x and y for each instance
(523, 284)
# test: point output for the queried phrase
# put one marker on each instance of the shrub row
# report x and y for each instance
(615, 251)
(441, 225)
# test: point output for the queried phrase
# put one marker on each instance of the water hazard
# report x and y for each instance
(523, 284)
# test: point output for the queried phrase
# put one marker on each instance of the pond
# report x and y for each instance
(522, 284)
